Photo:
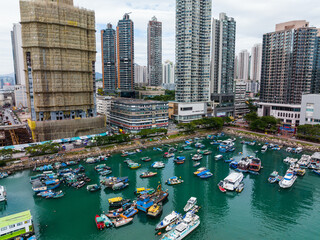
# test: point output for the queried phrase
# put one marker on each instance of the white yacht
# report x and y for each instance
(169, 219)
(183, 229)
(264, 148)
(288, 180)
(190, 204)
(232, 181)
(3, 194)
(158, 165)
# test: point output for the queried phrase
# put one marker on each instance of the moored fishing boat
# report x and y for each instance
(105, 172)
(206, 175)
(168, 155)
(231, 182)
(117, 202)
(316, 171)
(189, 223)
(255, 165)
(148, 174)
(207, 152)
(174, 181)
(158, 165)
(134, 165)
(288, 180)
(264, 148)
(190, 204)
(196, 164)
(199, 170)
(180, 160)
(130, 212)
(99, 222)
(273, 177)
(121, 221)
(91, 160)
(146, 159)
(218, 157)
(169, 219)
(106, 220)
(93, 187)
(155, 210)
(197, 157)
(119, 186)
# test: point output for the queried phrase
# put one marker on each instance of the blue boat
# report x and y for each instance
(203, 172)
(206, 175)
(233, 164)
(144, 202)
(129, 212)
(229, 160)
(316, 171)
(52, 184)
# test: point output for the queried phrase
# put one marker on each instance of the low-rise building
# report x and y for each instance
(133, 115)
(187, 112)
(16, 225)
(104, 105)
(310, 109)
(288, 114)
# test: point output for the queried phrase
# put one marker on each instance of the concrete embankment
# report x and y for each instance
(284, 142)
(94, 152)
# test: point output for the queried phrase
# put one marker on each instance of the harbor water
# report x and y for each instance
(261, 211)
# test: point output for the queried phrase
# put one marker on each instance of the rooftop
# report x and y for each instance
(15, 218)
(133, 101)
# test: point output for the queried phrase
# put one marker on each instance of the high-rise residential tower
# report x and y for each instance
(17, 54)
(288, 58)
(154, 52)
(289, 69)
(59, 53)
(125, 54)
(108, 53)
(244, 65)
(193, 30)
(168, 72)
(255, 67)
(222, 64)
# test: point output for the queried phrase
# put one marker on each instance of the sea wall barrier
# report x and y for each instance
(287, 142)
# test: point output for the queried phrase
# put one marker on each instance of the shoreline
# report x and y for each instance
(272, 139)
(83, 153)
(95, 152)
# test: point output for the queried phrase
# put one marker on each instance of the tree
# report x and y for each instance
(152, 132)
(249, 117)
(309, 132)
(100, 92)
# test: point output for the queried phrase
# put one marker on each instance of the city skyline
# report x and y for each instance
(251, 16)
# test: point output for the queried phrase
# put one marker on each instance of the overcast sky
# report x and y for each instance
(253, 17)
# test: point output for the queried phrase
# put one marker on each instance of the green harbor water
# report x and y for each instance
(261, 211)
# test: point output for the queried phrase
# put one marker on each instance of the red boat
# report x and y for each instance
(100, 222)
(221, 188)
(255, 165)
(179, 161)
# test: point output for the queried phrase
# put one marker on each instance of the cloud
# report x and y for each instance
(253, 17)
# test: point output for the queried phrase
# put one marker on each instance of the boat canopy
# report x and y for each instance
(116, 199)
(233, 177)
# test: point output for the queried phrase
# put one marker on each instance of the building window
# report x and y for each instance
(186, 109)
(12, 226)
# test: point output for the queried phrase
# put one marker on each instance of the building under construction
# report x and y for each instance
(59, 50)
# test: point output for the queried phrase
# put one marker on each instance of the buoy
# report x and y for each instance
(159, 233)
